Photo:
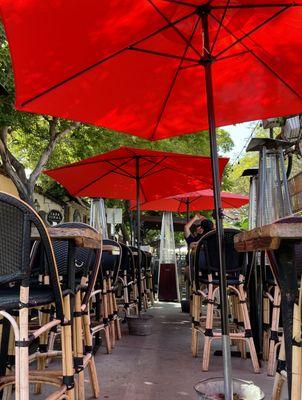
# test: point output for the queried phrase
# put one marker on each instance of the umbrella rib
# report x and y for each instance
(148, 172)
(259, 5)
(264, 64)
(98, 178)
(167, 55)
(219, 26)
(190, 66)
(188, 42)
(103, 60)
(175, 76)
(240, 39)
(240, 53)
(182, 3)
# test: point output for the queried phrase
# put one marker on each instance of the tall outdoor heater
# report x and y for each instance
(273, 200)
(254, 281)
(252, 215)
(98, 216)
(168, 287)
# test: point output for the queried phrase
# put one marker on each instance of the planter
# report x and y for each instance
(140, 325)
(211, 389)
(185, 306)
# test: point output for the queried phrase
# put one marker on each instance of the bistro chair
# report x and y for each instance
(138, 258)
(149, 278)
(79, 282)
(127, 277)
(111, 263)
(18, 296)
(207, 273)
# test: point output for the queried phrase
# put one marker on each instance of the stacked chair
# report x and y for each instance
(107, 311)
(128, 281)
(44, 302)
(55, 301)
(206, 290)
(149, 277)
(138, 256)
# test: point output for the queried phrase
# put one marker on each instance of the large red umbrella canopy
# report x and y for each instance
(138, 66)
(195, 201)
(113, 174)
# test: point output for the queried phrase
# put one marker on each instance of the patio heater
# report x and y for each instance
(253, 174)
(168, 287)
(98, 216)
(254, 280)
(273, 200)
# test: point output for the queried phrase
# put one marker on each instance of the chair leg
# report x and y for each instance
(274, 338)
(247, 326)
(117, 318)
(78, 346)
(66, 342)
(42, 345)
(23, 367)
(279, 377)
(206, 353)
(195, 341)
(8, 390)
(209, 327)
(88, 349)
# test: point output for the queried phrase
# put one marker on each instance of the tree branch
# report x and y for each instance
(54, 137)
(12, 167)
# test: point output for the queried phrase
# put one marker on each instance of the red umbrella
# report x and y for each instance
(195, 201)
(115, 174)
(159, 68)
(137, 66)
(130, 173)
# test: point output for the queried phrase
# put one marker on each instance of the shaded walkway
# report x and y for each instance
(160, 366)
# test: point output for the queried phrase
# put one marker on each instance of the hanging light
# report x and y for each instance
(291, 130)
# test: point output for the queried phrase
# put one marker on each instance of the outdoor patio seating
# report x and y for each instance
(127, 276)
(149, 277)
(111, 262)
(271, 321)
(18, 296)
(79, 282)
(206, 273)
(138, 258)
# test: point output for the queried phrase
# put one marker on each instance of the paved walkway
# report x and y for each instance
(160, 366)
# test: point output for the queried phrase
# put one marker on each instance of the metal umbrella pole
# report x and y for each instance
(138, 233)
(188, 208)
(207, 63)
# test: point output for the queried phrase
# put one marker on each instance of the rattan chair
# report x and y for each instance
(207, 273)
(127, 277)
(111, 262)
(18, 295)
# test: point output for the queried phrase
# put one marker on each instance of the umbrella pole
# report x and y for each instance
(207, 62)
(138, 234)
(188, 208)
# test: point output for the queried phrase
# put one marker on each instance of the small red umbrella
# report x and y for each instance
(195, 201)
(115, 174)
(130, 173)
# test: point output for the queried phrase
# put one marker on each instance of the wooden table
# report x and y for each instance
(82, 237)
(77, 237)
(279, 240)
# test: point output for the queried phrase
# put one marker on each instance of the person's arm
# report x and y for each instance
(188, 225)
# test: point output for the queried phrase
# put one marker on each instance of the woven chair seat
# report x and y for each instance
(38, 296)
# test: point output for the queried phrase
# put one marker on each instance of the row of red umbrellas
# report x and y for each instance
(159, 68)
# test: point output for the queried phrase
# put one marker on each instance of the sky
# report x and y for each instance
(240, 134)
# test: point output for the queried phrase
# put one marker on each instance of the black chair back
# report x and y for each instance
(207, 256)
(17, 219)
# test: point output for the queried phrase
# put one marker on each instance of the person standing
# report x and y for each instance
(202, 226)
